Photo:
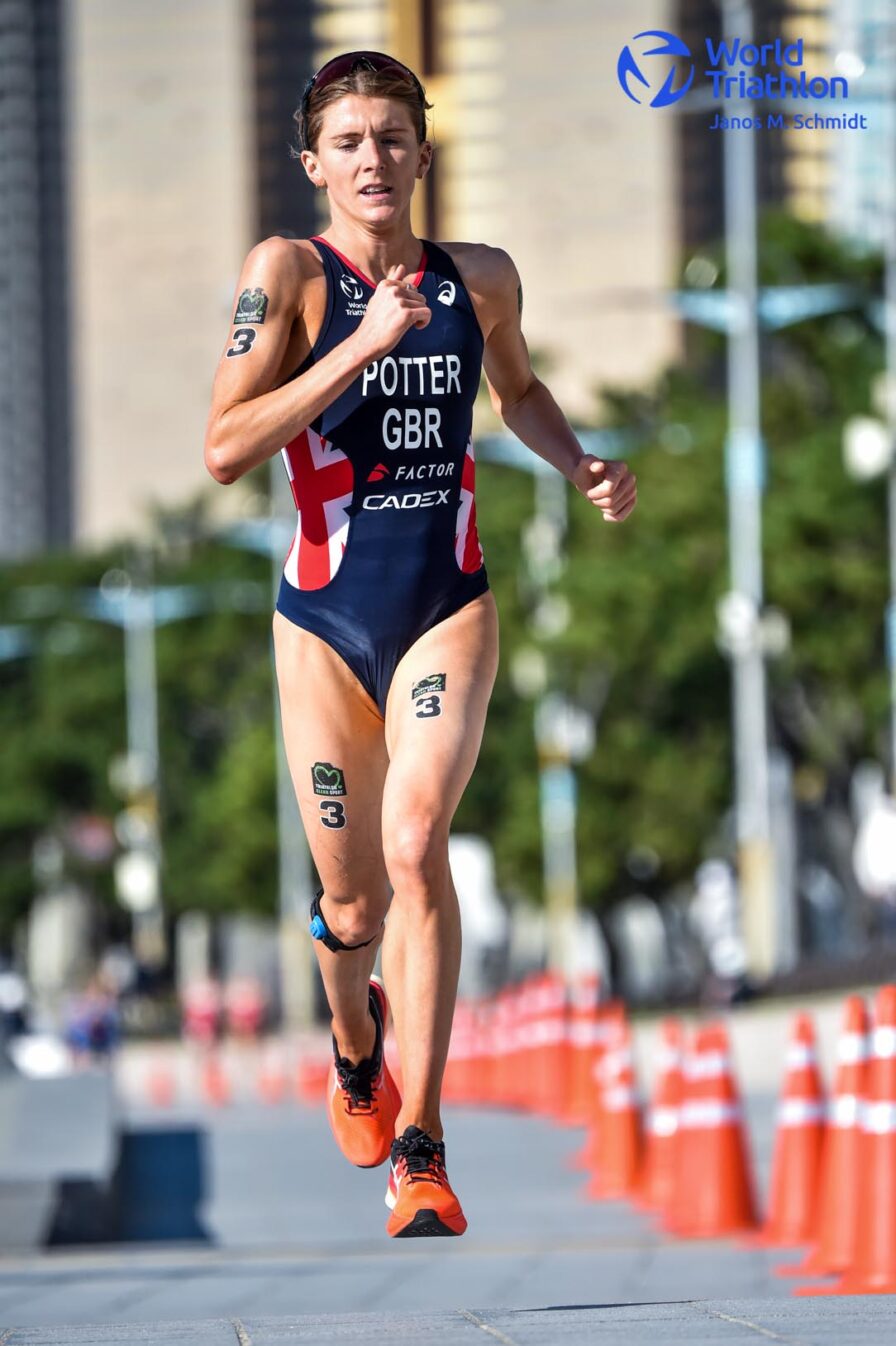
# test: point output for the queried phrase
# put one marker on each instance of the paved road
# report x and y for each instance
(286, 1231)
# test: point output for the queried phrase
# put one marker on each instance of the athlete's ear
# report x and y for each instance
(424, 159)
(313, 169)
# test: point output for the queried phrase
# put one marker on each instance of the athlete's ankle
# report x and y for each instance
(418, 1117)
(355, 1042)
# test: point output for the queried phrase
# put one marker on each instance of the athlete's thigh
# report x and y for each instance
(336, 750)
(435, 713)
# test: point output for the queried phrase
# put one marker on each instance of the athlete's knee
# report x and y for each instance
(416, 852)
(343, 922)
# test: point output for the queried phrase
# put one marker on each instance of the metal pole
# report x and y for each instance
(890, 395)
(744, 471)
(294, 862)
(139, 620)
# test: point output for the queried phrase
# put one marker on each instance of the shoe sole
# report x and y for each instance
(426, 1224)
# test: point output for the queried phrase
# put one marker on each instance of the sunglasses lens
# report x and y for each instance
(341, 66)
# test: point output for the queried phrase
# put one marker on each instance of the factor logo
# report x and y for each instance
(328, 779)
(351, 287)
(657, 69)
(447, 292)
(378, 473)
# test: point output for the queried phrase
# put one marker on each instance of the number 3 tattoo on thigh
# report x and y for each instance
(426, 697)
(335, 814)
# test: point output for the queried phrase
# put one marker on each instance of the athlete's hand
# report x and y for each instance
(396, 306)
(609, 485)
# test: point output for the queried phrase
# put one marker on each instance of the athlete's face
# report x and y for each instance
(368, 157)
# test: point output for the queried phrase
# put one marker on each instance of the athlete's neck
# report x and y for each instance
(375, 252)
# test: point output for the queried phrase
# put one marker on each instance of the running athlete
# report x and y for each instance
(357, 355)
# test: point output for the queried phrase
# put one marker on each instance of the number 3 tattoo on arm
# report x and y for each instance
(242, 338)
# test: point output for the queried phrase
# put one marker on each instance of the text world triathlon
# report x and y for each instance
(751, 57)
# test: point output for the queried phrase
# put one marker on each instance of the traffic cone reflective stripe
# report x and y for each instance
(796, 1161)
(872, 1269)
(841, 1154)
(619, 1135)
(661, 1128)
(713, 1191)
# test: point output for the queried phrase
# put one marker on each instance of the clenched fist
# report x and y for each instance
(610, 485)
(396, 306)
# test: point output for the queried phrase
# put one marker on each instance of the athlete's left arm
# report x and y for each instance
(520, 398)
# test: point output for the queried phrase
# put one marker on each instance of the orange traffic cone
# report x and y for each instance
(619, 1135)
(587, 1157)
(713, 1190)
(310, 1079)
(657, 1182)
(548, 1083)
(583, 1017)
(214, 1082)
(160, 1084)
(796, 1161)
(271, 1080)
(503, 1083)
(840, 1153)
(873, 1268)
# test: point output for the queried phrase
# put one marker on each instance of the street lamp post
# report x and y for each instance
(744, 474)
(890, 401)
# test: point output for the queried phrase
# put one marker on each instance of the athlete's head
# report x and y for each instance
(362, 133)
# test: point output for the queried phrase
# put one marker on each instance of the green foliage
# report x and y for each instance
(643, 631)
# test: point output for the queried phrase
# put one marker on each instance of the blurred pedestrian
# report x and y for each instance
(360, 351)
(92, 1027)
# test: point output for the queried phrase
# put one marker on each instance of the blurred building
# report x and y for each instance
(35, 439)
(163, 209)
(828, 176)
(792, 167)
(864, 45)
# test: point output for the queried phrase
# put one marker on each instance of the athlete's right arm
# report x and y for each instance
(250, 420)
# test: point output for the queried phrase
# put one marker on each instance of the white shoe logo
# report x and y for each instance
(446, 292)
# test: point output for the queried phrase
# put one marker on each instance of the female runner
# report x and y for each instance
(360, 351)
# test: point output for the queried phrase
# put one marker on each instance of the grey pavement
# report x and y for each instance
(294, 1249)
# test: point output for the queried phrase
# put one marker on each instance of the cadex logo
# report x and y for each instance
(654, 68)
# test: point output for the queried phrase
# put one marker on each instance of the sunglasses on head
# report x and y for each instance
(341, 66)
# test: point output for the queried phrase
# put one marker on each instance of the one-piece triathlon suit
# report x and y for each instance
(386, 543)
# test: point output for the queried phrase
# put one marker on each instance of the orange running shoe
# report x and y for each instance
(419, 1194)
(363, 1100)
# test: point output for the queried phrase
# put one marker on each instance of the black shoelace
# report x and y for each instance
(357, 1082)
(424, 1158)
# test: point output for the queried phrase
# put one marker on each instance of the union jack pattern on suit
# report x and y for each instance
(467, 550)
(321, 479)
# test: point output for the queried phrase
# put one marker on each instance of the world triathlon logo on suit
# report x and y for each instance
(662, 82)
(353, 290)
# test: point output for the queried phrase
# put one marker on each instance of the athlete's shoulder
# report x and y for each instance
(295, 258)
(488, 268)
(491, 280)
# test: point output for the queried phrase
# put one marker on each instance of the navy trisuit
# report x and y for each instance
(386, 543)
